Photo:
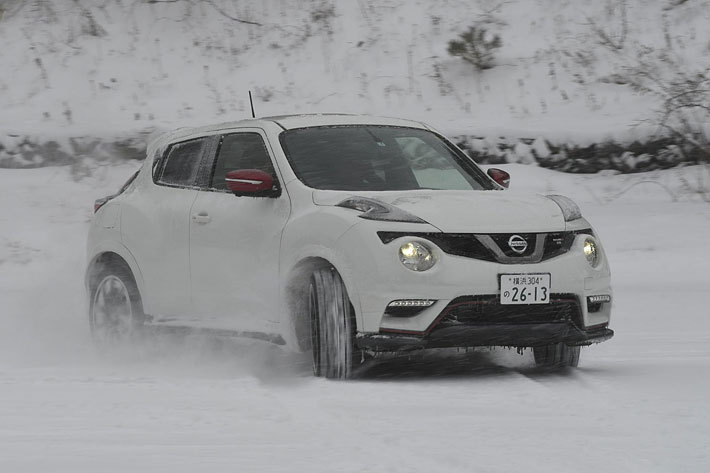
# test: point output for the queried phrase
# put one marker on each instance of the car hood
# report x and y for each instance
(467, 211)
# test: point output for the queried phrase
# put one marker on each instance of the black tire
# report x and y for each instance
(332, 325)
(116, 314)
(558, 356)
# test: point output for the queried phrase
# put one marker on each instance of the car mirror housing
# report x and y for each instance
(501, 177)
(252, 183)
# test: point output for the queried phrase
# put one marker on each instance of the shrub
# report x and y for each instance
(476, 46)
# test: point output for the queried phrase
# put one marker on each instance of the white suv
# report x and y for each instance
(344, 235)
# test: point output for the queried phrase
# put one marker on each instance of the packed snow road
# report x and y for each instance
(637, 403)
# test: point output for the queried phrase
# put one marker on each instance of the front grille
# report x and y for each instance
(487, 310)
(557, 244)
(501, 241)
(494, 247)
(461, 244)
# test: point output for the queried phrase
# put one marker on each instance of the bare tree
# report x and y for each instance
(613, 39)
(216, 7)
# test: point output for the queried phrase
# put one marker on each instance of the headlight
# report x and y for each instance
(591, 252)
(416, 256)
(373, 209)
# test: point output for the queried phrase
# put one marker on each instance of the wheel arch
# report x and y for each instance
(111, 256)
(295, 296)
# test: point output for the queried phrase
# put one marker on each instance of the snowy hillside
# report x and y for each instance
(104, 68)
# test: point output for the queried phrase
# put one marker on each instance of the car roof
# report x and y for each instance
(287, 122)
(290, 122)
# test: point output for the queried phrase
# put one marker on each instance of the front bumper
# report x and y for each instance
(376, 277)
(513, 335)
(483, 321)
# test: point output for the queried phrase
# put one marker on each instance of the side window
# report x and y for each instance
(240, 151)
(182, 163)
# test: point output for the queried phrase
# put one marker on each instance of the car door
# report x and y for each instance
(155, 228)
(235, 241)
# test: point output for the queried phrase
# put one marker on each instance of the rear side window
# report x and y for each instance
(182, 163)
(240, 151)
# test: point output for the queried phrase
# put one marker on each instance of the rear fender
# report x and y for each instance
(117, 248)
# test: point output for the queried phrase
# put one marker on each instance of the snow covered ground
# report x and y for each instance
(638, 403)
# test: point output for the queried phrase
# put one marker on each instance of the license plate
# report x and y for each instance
(525, 288)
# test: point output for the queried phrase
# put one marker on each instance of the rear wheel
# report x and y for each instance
(558, 355)
(115, 309)
(332, 325)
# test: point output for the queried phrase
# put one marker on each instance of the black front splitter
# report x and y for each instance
(518, 335)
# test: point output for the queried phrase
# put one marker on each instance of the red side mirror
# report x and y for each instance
(251, 182)
(500, 176)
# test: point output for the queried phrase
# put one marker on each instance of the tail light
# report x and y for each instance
(98, 203)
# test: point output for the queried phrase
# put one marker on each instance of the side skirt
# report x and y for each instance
(276, 339)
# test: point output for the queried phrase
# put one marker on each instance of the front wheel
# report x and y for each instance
(332, 325)
(558, 356)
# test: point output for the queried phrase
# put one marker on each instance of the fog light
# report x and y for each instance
(416, 256)
(412, 303)
(594, 303)
(599, 299)
(591, 252)
(408, 307)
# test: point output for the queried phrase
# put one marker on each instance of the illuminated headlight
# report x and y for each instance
(591, 252)
(416, 256)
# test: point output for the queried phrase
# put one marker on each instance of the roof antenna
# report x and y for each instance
(251, 102)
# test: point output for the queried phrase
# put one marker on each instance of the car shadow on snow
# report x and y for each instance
(202, 355)
(455, 364)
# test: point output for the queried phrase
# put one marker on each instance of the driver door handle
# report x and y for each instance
(201, 217)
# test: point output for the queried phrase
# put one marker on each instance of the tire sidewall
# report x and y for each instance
(333, 326)
(558, 355)
(137, 315)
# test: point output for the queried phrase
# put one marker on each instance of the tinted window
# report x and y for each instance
(182, 163)
(240, 151)
(379, 158)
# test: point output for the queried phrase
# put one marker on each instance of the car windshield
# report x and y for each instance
(379, 158)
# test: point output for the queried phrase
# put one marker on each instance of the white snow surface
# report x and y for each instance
(638, 403)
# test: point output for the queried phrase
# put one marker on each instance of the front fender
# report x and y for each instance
(314, 235)
(348, 243)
